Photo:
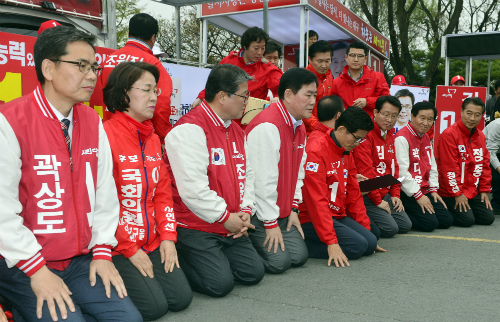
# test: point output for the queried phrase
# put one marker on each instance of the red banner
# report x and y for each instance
(352, 23)
(17, 69)
(86, 7)
(449, 101)
(221, 7)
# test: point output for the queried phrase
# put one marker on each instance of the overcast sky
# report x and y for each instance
(162, 9)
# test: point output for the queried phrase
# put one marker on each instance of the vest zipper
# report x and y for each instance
(147, 189)
(234, 171)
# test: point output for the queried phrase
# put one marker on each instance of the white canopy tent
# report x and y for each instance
(286, 21)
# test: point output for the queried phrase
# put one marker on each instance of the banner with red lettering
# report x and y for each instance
(17, 69)
(449, 101)
(85, 7)
(222, 7)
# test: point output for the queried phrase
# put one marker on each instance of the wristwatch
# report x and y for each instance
(295, 210)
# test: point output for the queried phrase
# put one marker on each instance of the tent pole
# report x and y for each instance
(302, 27)
(307, 45)
(470, 71)
(447, 71)
(266, 16)
(489, 74)
(178, 31)
(200, 47)
(205, 40)
(466, 72)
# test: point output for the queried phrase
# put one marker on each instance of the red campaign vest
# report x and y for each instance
(226, 171)
(376, 157)
(55, 189)
(291, 152)
(139, 193)
(420, 156)
(463, 161)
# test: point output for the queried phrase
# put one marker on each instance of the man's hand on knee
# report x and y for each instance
(49, 287)
(336, 255)
(109, 274)
(462, 203)
(274, 237)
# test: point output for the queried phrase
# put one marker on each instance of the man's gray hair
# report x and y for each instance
(226, 78)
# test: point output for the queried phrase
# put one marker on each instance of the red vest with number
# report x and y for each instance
(226, 170)
(56, 188)
(291, 151)
(420, 156)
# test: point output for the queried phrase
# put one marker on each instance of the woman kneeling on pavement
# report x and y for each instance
(145, 256)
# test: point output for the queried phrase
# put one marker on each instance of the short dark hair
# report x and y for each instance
(226, 78)
(312, 33)
(52, 45)
(272, 47)
(253, 34)
(423, 106)
(294, 79)
(328, 107)
(405, 92)
(357, 45)
(473, 100)
(497, 84)
(321, 46)
(142, 26)
(354, 119)
(379, 104)
(120, 81)
(340, 45)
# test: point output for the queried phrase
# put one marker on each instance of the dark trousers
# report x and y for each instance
(354, 239)
(389, 224)
(495, 188)
(91, 303)
(153, 297)
(477, 214)
(425, 221)
(295, 253)
(213, 263)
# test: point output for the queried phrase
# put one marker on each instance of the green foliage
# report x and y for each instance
(220, 42)
(125, 9)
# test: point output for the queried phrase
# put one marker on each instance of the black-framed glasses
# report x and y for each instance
(360, 56)
(156, 91)
(357, 139)
(85, 67)
(245, 98)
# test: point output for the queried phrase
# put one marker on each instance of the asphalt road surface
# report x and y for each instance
(446, 275)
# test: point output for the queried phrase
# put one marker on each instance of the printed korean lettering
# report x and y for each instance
(3, 53)
(17, 51)
(478, 154)
(47, 199)
(415, 153)
(452, 181)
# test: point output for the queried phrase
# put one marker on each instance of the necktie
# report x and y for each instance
(65, 126)
(384, 136)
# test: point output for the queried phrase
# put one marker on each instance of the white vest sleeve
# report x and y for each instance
(106, 212)
(187, 152)
(264, 155)
(249, 196)
(433, 177)
(17, 242)
(409, 186)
